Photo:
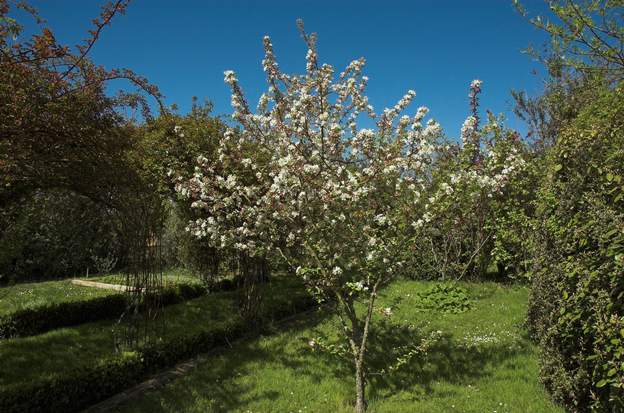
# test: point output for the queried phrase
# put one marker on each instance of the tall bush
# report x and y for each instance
(576, 308)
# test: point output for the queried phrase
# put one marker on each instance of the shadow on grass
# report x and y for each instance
(259, 370)
(29, 358)
(434, 357)
(213, 385)
(443, 360)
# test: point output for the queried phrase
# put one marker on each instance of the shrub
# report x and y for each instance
(576, 307)
(446, 298)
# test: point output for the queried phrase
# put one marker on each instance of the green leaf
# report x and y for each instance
(601, 383)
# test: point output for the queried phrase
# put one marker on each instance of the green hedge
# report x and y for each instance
(38, 320)
(87, 386)
(576, 307)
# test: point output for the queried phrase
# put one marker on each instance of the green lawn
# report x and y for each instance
(59, 351)
(482, 362)
(170, 277)
(32, 295)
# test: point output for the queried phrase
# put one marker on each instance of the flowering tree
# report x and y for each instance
(300, 180)
(469, 189)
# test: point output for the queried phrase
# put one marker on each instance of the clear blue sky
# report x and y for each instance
(433, 47)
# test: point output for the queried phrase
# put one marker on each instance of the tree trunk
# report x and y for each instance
(360, 388)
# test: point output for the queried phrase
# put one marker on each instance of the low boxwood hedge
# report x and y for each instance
(38, 320)
(89, 385)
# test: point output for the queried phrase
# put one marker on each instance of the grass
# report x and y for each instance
(170, 277)
(60, 351)
(482, 361)
(33, 295)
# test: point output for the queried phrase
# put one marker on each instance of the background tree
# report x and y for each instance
(586, 49)
(585, 35)
(59, 128)
(171, 144)
(472, 183)
(60, 133)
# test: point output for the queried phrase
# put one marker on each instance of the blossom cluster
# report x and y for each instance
(300, 179)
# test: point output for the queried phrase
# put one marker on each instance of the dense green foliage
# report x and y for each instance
(577, 300)
(56, 233)
(38, 320)
(446, 298)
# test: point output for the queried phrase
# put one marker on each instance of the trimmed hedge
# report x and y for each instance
(89, 385)
(38, 320)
